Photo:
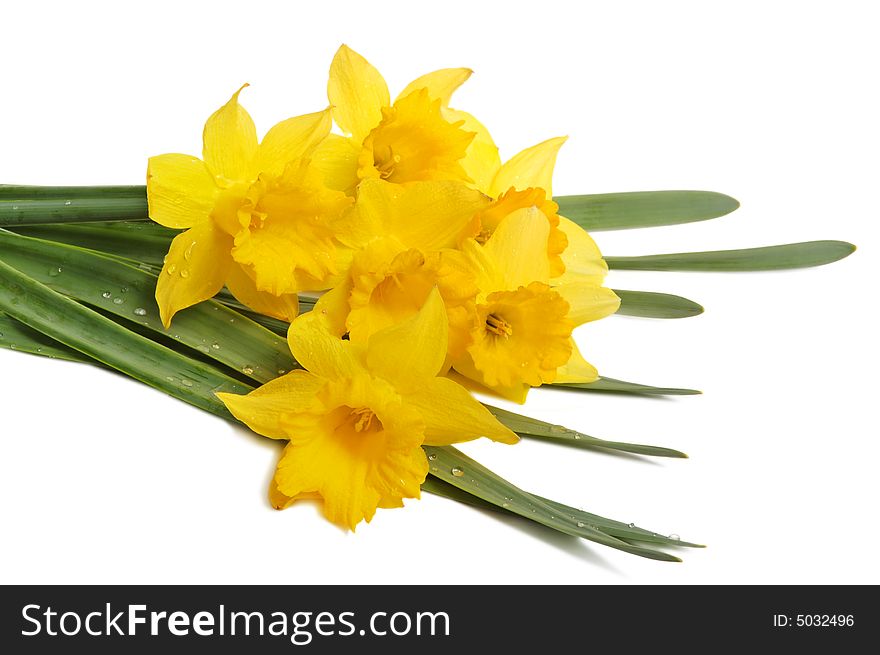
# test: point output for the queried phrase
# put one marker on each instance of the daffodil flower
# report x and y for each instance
(522, 334)
(417, 137)
(415, 229)
(357, 417)
(257, 216)
(526, 180)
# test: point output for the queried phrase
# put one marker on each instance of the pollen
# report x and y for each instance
(499, 326)
(362, 420)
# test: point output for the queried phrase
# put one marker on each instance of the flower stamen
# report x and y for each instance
(499, 326)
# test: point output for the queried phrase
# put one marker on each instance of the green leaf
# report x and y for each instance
(535, 429)
(126, 291)
(610, 385)
(649, 304)
(767, 258)
(71, 210)
(15, 335)
(87, 331)
(30, 192)
(143, 242)
(459, 470)
(626, 531)
(622, 211)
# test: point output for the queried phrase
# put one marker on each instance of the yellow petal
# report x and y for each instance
(533, 167)
(292, 139)
(413, 351)
(452, 415)
(230, 141)
(195, 269)
(333, 307)
(424, 215)
(261, 410)
(440, 83)
(180, 190)
(482, 160)
(577, 369)
(360, 451)
(484, 268)
(466, 374)
(294, 234)
(284, 307)
(279, 500)
(336, 159)
(582, 259)
(317, 349)
(519, 248)
(588, 302)
(357, 92)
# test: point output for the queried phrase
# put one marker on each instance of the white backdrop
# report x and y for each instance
(107, 481)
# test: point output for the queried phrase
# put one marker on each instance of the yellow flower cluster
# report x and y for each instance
(439, 266)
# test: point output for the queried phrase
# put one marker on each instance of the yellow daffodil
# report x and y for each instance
(257, 216)
(417, 137)
(390, 278)
(526, 180)
(522, 335)
(357, 417)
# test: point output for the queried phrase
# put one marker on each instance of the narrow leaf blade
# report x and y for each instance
(650, 304)
(610, 385)
(766, 258)
(623, 211)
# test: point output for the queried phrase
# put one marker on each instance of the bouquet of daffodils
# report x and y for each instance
(405, 264)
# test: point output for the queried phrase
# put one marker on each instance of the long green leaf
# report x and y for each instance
(71, 210)
(622, 211)
(127, 291)
(456, 468)
(15, 335)
(32, 192)
(625, 531)
(535, 429)
(610, 385)
(87, 331)
(650, 304)
(767, 258)
(141, 241)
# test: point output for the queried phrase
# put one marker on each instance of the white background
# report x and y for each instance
(776, 103)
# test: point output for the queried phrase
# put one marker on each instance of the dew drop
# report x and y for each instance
(186, 383)
(140, 311)
(435, 469)
(171, 268)
(432, 456)
(631, 525)
(247, 370)
(215, 346)
(187, 254)
(118, 301)
(577, 437)
(505, 505)
(184, 273)
(558, 429)
(106, 294)
(581, 524)
(675, 537)
(124, 289)
(67, 203)
(282, 371)
(457, 472)
(55, 271)
(169, 378)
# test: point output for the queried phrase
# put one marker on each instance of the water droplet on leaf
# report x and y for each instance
(140, 311)
(457, 472)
